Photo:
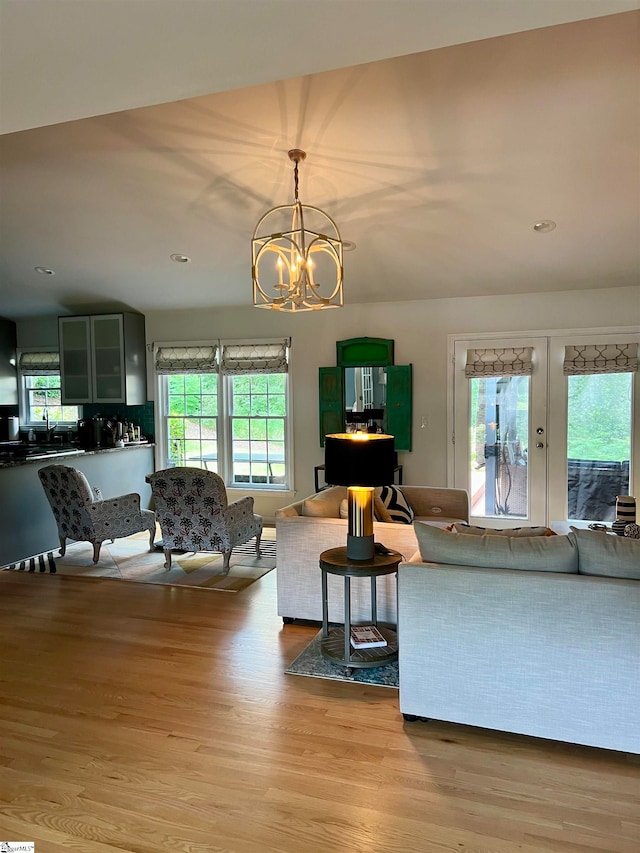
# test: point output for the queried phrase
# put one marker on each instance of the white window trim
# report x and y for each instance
(161, 452)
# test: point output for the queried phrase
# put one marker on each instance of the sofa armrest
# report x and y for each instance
(291, 511)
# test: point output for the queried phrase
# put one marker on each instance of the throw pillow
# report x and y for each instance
(392, 505)
(607, 555)
(512, 531)
(325, 504)
(528, 553)
(344, 508)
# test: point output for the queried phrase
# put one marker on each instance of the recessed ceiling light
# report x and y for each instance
(544, 226)
(44, 271)
(348, 245)
(179, 259)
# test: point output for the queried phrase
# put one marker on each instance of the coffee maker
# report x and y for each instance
(96, 432)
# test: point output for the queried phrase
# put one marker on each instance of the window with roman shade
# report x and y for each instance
(586, 359)
(40, 390)
(504, 361)
(39, 363)
(223, 406)
(195, 358)
(259, 357)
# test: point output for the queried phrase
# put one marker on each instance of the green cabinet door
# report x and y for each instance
(331, 403)
(399, 409)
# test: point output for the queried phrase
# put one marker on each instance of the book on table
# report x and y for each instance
(366, 637)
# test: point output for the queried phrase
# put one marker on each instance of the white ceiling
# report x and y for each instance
(435, 139)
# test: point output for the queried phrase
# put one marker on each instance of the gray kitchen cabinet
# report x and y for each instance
(8, 375)
(103, 359)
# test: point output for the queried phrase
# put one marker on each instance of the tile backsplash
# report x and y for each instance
(141, 415)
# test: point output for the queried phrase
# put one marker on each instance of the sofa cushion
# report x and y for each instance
(529, 553)
(460, 527)
(391, 505)
(607, 555)
(325, 504)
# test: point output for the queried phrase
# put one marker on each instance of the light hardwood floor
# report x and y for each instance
(157, 719)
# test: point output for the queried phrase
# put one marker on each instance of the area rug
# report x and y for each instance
(311, 663)
(128, 559)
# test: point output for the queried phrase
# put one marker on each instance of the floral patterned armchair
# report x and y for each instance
(194, 514)
(83, 516)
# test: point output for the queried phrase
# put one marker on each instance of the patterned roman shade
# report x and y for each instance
(197, 358)
(584, 359)
(39, 363)
(504, 361)
(259, 357)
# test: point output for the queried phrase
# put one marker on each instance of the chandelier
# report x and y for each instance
(297, 256)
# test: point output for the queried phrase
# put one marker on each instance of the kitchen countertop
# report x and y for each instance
(51, 455)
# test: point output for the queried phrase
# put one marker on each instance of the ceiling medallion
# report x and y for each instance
(297, 256)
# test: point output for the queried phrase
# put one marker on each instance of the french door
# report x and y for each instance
(500, 451)
(545, 428)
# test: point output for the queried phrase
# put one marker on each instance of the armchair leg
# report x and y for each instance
(226, 557)
(258, 552)
(96, 551)
(167, 558)
(152, 536)
(63, 545)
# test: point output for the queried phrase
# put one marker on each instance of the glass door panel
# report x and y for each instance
(108, 359)
(499, 446)
(595, 423)
(74, 359)
(598, 444)
(500, 426)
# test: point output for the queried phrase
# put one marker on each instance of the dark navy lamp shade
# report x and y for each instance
(359, 459)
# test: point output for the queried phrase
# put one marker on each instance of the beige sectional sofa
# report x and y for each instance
(539, 635)
(306, 528)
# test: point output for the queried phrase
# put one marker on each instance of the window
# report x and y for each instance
(41, 390)
(599, 425)
(192, 420)
(223, 407)
(258, 409)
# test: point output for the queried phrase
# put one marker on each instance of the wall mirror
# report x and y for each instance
(366, 390)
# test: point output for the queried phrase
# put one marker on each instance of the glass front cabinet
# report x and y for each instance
(102, 359)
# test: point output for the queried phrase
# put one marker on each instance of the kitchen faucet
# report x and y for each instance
(48, 430)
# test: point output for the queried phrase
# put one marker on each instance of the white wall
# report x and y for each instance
(420, 331)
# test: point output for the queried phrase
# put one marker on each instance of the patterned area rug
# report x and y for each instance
(128, 559)
(311, 663)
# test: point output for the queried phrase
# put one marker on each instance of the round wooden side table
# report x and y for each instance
(335, 644)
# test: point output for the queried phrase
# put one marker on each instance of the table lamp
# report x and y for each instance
(360, 461)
